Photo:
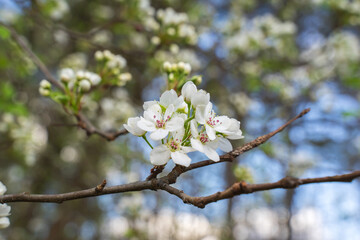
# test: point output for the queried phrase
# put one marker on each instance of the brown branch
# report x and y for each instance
(90, 129)
(159, 184)
(240, 188)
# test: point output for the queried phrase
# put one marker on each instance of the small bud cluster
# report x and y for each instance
(109, 72)
(112, 66)
(177, 74)
(45, 88)
(184, 123)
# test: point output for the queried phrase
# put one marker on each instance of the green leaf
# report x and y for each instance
(4, 33)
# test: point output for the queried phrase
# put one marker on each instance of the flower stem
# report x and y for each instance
(144, 137)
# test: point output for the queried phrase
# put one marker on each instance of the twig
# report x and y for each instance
(158, 184)
(244, 188)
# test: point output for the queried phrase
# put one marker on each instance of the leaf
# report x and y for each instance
(4, 33)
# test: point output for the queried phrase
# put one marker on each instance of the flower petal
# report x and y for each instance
(160, 155)
(146, 125)
(148, 104)
(159, 134)
(200, 114)
(4, 210)
(168, 97)
(196, 144)
(181, 158)
(210, 132)
(211, 153)
(225, 145)
(174, 124)
(4, 222)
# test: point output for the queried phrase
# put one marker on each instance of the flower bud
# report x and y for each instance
(67, 75)
(181, 66)
(167, 66)
(171, 77)
(99, 55)
(187, 68)
(125, 77)
(174, 67)
(84, 85)
(44, 92)
(45, 84)
(197, 79)
(155, 40)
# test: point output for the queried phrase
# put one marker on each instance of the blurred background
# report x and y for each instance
(262, 62)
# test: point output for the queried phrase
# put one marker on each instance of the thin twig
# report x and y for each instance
(244, 188)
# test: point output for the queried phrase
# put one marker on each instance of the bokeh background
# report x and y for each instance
(262, 62)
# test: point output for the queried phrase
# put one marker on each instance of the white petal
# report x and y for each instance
(193, 128)
(133, 128)
(160, 155)
(196, 144)
(211, 153)
(168, 97)
(4, 210)
(159, 134)
(200, 98)
(146, 125)
(148, 104)
(188, 90)
(179, 103)
(222, 123)
(200, 114)
(174, 124)
(2, 188)
(169, 112)
(181, 158)
(210, 132)
(4, 222)
(187, 149)
(225, 145)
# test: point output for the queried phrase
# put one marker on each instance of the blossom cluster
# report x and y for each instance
(184, 124)
(77, 83)
(169, 24)
(4, 209)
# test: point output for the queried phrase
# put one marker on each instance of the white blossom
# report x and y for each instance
(133, 128)
(159, 123)
(160, 155)
(188, 90)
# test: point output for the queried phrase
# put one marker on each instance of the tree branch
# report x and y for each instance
(244, 188)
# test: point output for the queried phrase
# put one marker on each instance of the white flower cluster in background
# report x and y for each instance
(4, 209)
(262, 32)
(177, 55)
(184, 124)
(167, 24)
(112, 66)
(29, 136)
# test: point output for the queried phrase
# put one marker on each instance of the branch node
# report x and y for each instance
(289, 182)
(243, 187)
(99, 188)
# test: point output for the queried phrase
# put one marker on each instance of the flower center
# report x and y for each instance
(174, 145)
(212, 122)
(161, 123)
(203, 138)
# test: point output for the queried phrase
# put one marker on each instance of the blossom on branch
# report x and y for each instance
(184, 123)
